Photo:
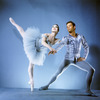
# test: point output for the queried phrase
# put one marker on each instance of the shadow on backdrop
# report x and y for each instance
(95, 54)
(17, 34)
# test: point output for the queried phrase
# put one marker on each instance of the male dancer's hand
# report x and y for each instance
(52, 52)
(80, 59)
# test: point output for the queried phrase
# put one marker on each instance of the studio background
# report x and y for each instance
(43, 14)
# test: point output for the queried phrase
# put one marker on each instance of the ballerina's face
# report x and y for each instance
(55, 28)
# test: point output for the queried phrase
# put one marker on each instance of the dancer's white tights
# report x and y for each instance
(30, 71)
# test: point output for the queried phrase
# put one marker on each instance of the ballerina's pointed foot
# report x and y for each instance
(32, 87)
(11, 20)
(31, 83)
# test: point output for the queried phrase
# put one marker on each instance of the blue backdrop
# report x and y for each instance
(43, 14)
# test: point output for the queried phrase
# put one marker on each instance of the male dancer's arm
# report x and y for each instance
(59, 46)
(86, 49)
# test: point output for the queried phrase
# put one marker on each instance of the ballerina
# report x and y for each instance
(36, 45)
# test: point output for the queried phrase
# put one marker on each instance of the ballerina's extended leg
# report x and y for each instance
(19, 28)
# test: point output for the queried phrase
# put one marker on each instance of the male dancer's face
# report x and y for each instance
(70, 28)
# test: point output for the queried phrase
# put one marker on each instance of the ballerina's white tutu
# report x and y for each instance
(33, 48)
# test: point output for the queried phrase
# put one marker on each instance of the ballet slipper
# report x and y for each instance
(32, 85)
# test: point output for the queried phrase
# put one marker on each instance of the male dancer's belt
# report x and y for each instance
(75, 60)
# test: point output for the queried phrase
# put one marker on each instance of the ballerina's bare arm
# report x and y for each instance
(45, 44)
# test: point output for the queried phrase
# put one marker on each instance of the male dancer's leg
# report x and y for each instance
(83, 65)
(62, 67)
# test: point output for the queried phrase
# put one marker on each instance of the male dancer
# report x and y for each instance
(73, 43)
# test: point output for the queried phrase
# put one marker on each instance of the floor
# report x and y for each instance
(51, 94)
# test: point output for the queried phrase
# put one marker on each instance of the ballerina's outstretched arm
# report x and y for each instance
(19, 28)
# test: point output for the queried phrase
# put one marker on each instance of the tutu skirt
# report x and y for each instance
(33, 48)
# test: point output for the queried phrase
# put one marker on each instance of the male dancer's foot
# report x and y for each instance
(44, 87)
(90, 93)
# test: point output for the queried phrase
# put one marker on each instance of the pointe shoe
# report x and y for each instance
(12, 21)
(32, 85)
